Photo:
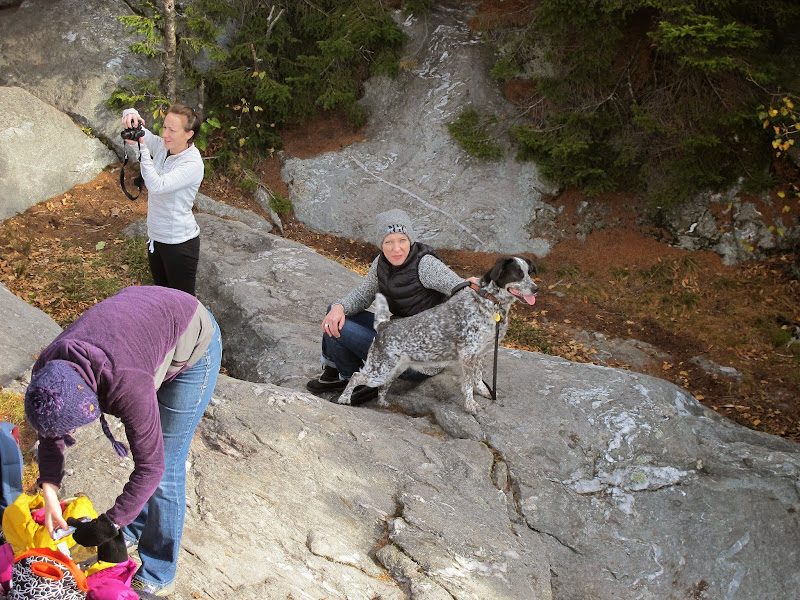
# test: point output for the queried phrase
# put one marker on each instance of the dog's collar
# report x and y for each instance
(473, 286)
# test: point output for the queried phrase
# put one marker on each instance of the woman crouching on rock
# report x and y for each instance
(411, 277)
(151, 357)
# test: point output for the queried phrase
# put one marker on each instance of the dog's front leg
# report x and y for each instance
(480, 385)
(469, 379)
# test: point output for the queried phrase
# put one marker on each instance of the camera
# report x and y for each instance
(132, 133)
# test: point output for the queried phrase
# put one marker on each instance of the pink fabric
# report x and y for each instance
(113, 583)
(6, 565)
(38, 514)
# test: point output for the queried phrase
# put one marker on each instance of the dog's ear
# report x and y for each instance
(494, 273)
(498, 271)
(531, 267)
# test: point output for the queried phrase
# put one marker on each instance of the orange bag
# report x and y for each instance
(44, 574)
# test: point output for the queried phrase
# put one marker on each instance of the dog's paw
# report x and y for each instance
(471, 407)
(344, 398)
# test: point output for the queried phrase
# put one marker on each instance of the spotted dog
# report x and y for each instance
(461, 329)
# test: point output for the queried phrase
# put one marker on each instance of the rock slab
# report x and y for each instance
(410, 161)
(24, 332)
(33, 163)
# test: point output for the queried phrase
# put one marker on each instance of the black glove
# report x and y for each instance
(114, 550)
(94, 532)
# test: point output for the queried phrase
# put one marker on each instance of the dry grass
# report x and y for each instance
(12, 410)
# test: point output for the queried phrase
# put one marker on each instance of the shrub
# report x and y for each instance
(267, 68)
(279, 204)
(471, 132)
(654, 95)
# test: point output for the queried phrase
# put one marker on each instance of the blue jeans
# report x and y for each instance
(349, 351)
(159, 526)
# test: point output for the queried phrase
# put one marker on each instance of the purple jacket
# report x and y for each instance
(126, 347)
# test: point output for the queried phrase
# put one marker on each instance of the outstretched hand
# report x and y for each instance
(53, 518)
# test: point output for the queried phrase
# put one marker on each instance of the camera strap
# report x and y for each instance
(139, 181)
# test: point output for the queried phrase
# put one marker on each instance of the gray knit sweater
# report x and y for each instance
(433, 274)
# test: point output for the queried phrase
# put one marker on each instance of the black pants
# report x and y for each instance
(175, 265)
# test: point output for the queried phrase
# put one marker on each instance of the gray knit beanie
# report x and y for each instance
(394, 221)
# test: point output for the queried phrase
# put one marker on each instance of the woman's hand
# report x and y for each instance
(52, 508)
(334, 320)
(130, 121)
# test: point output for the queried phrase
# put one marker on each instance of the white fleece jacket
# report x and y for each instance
(172, 183)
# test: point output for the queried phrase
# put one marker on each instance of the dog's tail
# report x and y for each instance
(381, 311)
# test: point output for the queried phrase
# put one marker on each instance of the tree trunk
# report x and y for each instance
(170, 48)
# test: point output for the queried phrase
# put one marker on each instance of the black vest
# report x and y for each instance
(404, 292)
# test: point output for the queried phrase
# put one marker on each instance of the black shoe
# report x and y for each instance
(327, 382)
(363, 394)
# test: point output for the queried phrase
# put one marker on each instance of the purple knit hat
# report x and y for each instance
(58, 401)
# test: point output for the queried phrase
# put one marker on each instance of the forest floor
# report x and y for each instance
(65, 254)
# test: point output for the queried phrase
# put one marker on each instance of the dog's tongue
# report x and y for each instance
(529, 299)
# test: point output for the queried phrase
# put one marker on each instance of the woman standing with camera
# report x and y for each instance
(172, 169)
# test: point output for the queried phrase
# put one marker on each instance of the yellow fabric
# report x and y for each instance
(99, 566)
(23, 533)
